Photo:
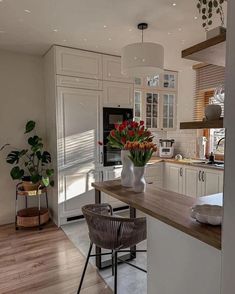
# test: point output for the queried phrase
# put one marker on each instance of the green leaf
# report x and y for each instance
(13, 157)
(52, 183)
(46, 157)
(46, 181)
(36, 178)
(29, 126)
(17, 173)
(34, 140)
(50, 172)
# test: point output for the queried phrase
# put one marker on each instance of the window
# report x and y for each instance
(208, 78)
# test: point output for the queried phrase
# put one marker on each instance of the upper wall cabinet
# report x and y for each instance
(112, 69)
(78, 63)
(118, 94)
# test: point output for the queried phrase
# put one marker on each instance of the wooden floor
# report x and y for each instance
(44, 262)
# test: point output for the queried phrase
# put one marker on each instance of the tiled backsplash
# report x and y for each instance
(185, 141)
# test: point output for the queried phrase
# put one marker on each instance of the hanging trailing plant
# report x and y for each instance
(207, 9)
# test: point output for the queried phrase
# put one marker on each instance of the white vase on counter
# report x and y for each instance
(139, 180)
(127, 175)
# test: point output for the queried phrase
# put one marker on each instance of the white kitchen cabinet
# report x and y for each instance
(192, 185)
(117, 94)
(173, 178)
(78, 63)
(112, 70)
(192, 181)
(211, 182)
(154, 174)
(77, 134)
(80, 83)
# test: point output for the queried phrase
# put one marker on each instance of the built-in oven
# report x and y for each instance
(111, 116)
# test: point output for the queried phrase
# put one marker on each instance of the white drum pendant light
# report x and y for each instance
(142, 59)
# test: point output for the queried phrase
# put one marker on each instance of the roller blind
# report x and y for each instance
(208, 78)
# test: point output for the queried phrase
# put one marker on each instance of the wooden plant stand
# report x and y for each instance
(31, 216)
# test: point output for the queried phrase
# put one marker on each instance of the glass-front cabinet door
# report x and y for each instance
(138, 106)
(168, 111)
(151, 101)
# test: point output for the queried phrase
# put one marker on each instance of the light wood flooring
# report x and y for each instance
(43, 262)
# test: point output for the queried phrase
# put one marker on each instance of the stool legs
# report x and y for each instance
(115, 271)
(84, 270)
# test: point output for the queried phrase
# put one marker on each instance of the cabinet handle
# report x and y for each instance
(181, 171)
(200, 176)
(101, 157)
(203, 176)
(102, 176)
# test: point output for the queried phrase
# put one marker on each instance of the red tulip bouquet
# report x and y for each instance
(129, 131)
(140, 153)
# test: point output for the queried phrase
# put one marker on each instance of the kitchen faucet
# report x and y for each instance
(217, 146)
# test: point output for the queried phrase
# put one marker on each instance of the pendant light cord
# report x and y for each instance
(142, 35)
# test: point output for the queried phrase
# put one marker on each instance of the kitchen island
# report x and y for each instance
(184, 256)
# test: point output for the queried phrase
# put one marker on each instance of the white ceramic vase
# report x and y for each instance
(127, 175)
(139, 180)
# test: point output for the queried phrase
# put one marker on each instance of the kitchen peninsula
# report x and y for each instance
(183, 255)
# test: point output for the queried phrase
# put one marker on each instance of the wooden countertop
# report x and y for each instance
(169, 207)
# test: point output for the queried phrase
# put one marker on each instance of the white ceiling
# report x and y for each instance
(32, 26)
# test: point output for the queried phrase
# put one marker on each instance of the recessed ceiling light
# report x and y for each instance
(195, 17)
(130, 30)
(179, 29)
(173, 4)
(105, 27)
(110, 39)
(27, 11)
(64, 40)
(55, 30)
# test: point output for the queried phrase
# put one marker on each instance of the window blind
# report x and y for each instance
(208, 78)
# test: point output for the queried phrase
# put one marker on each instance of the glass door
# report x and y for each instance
(168, 111)
(152, 109)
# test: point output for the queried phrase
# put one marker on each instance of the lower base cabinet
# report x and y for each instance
(192, 181)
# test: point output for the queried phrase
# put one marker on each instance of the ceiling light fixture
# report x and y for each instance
(142, 59)
(55, 30)
(27, 11)
(105, 27)
(173, 4)
(195, 17)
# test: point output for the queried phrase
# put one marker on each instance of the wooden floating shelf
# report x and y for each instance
(207, 124)
(211, 51)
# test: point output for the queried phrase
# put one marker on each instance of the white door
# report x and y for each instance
(118, 94)
(211, 182)
(192, 183)
(78, 63)
(111, 173)
(112, 69)
(77, 119)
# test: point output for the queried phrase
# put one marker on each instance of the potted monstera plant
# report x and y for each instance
(31, 165)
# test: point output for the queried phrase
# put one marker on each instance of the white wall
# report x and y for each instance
(228, 242)
(21, 99)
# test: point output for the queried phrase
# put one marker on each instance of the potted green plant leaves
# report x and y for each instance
(31, 165)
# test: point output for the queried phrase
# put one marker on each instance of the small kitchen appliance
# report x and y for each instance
(202, 147)
(166, 149)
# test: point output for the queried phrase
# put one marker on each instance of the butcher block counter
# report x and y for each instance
(184, 256)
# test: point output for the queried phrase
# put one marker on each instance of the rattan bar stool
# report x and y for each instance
(113, 233)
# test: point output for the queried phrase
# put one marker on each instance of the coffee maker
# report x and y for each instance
(166, 149)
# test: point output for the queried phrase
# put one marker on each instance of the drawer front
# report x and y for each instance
(78, 63)
(82, 83)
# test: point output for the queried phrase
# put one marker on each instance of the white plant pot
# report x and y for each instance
(213, 112)
(139, 180)
(127, 175)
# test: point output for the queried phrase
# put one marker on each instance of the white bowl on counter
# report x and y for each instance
(208, 214)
